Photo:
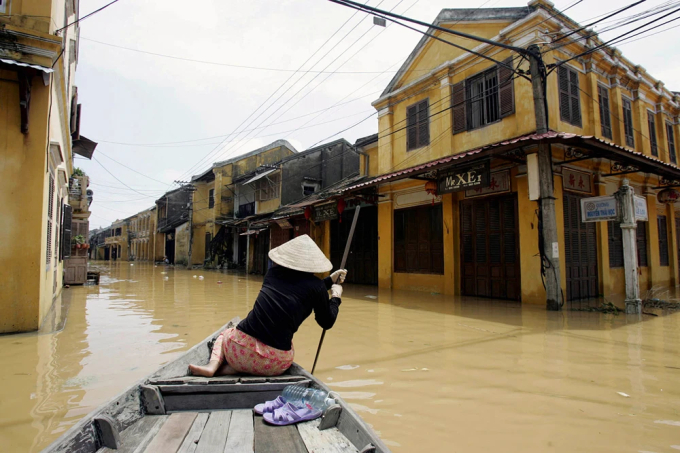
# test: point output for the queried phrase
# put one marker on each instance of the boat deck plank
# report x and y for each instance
(327, 441)
(136, 438)
(172, 433)
(215, 433)
(194, 435)
(241, 437)
(277, 439)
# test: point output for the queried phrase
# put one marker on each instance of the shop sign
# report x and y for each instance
(599, 209)
(464, 178)
(576, 181)
(668, 196)
(284, 224)
(641, 209)
(325, 212)
(499, 183)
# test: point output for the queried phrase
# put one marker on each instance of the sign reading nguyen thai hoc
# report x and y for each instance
(640, 208)
(599, 209)
(464, 178)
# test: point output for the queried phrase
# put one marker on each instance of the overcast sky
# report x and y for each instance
(147, 103)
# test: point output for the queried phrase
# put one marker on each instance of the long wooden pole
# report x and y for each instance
(342, 266)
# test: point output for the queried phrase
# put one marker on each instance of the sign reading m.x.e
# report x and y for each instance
(464, 178)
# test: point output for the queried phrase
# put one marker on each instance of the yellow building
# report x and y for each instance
(39, 114)
(228, 193)
(117, 245)
(449, 112)
(141, 231)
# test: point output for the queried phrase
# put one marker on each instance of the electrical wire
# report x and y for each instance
(86, 16)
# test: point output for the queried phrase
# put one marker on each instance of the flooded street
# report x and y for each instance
(429, 372)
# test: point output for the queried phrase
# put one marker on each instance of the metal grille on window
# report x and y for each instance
(605, 117)
(628, 122)
(570, 97)
(652, 134)
(211, 198)
(670, 134)
(663, 240)
(482, 99)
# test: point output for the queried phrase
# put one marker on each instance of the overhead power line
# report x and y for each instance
(86, 16)
(215, 63)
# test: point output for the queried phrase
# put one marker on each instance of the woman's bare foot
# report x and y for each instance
(207, 371)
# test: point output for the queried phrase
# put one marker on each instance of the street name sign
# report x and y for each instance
(641, 209)
(599, 209)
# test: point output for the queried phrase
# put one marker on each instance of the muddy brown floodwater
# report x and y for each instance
(429, 372)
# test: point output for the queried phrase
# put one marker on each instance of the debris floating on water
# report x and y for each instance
(163, 272)
(347, 367)
(166, 278)
(195, 276)
(200, 277)
(219, 282)
(371, 297)
(625, 395)
(132, 264)
(424, 369)
(410, 369)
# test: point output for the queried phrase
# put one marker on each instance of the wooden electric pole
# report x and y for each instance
(550, 261)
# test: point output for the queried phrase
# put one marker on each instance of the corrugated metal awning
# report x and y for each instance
(26, 65)
(256, 177)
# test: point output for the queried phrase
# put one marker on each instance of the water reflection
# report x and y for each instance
(429, 372)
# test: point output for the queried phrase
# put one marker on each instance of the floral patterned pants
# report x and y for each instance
(249, 355)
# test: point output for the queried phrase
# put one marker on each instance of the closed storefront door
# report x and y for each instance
(362, 262)
(580, 245)
(490, 247)
(260, 257)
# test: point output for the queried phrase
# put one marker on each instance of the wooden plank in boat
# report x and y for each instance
(193, 436)
(354, 429)
(136, 438)
(215, 433)
(228, 388)
(326, 441)
(172, 433)
(216, 401)
(241, 432)
(277, 439)
(199, 380)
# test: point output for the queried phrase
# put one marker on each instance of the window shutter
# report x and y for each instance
(641, 239)
(671, 143)
(605, 118)
(628, 123)
(66, 226)
(663, 240)
(575, 98)
(615, 245)
(563, 80)
(458, 107)
(412, 127)
(652, 134)
(423, 124)
(506, 90)
(74, 110)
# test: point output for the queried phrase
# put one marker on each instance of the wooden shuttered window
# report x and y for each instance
(418, 125)
(616, 244)
(605, 116)
(663, 240)
(484, 98)
(670, 136)
(66, 227)
(651, 122)
(50, 213)
(570, 96)
(208, 239)
(628, 122)
(211, 198)
(419, 240)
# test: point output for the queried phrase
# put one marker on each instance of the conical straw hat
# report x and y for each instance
(301, 254)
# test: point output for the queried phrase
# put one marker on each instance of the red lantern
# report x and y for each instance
(308, 212)
(431, 188)
(341, 207)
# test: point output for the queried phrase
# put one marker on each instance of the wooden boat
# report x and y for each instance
(169, 411)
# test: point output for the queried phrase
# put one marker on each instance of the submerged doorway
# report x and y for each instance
(490, 247)
(580, 251)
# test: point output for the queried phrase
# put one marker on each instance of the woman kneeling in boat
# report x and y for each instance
(262, 344)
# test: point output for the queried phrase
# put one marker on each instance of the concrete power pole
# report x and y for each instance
(550, 253)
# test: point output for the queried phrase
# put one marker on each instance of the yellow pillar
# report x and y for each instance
(652, 240)
(606, 287)
(559, 215)
(385, 240)
(641, 126)
(530, 263)
(449, 265)
(618, 130)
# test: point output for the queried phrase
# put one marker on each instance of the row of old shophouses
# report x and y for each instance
(446, 188)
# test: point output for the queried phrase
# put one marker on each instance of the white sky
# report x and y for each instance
(131, 97)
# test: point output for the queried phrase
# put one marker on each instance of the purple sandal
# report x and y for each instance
(289, 415)
(269, 406)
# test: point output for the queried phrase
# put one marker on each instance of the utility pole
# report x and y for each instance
(550, 261)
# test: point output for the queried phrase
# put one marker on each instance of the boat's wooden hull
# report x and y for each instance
(170, 390)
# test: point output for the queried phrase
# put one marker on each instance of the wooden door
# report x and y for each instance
(580, 244)
(362, 261)
(677, 235)
(490, 247)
